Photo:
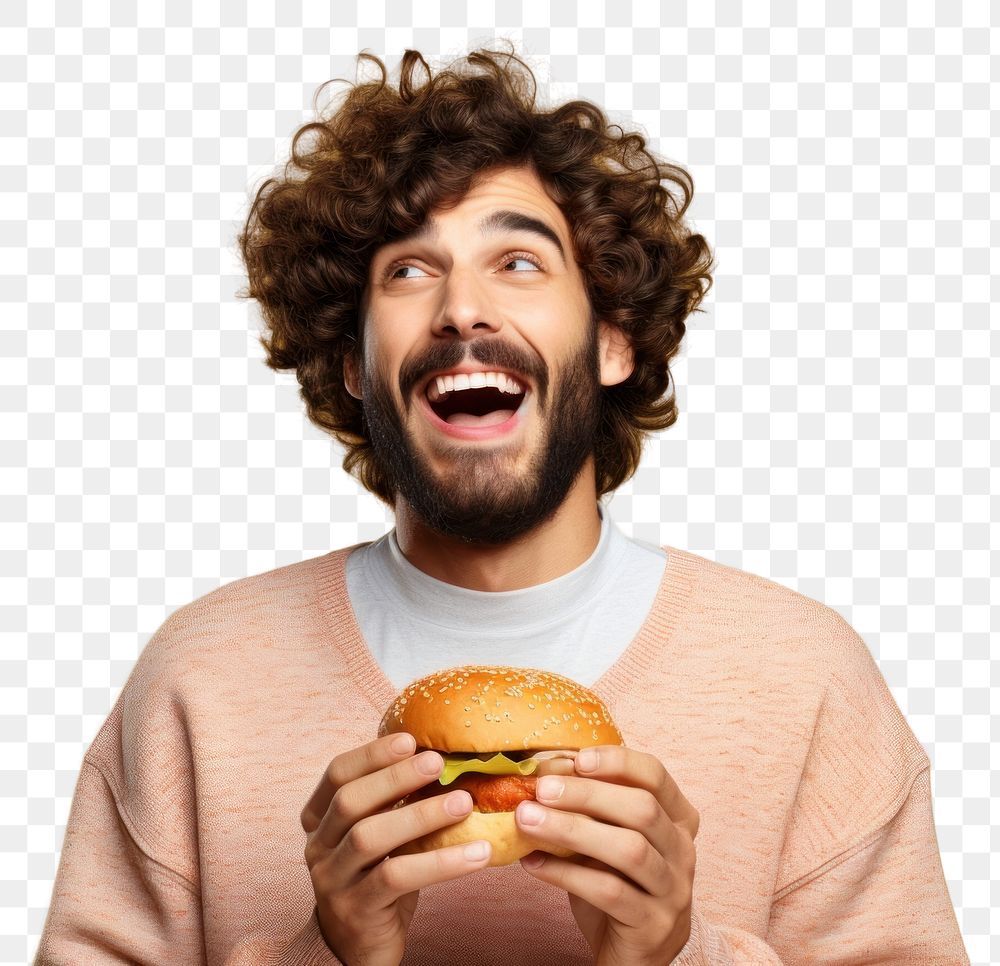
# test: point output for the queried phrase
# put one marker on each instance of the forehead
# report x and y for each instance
(509, 185)
(494, 201)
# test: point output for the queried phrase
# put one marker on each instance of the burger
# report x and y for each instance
(498, 729)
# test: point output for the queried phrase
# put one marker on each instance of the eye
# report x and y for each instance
(393, 271)
(520, 257)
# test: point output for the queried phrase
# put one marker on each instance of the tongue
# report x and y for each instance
(490, 419)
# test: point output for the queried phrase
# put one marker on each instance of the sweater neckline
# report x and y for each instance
(656, 633)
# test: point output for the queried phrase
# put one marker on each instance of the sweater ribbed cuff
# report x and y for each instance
(700, 949)
(309, 948)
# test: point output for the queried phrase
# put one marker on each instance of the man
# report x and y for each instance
(480, 300)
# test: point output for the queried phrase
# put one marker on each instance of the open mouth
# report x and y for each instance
(475, 399)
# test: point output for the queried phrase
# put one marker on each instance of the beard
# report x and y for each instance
(482, 498)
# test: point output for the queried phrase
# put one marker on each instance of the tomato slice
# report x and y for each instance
(490, 793)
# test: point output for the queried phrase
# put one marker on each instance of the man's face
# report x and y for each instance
(482, 364)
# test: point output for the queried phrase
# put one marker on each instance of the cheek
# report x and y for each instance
(548, 328)
(563, 320)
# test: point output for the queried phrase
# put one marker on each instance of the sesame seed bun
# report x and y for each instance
(480, 709)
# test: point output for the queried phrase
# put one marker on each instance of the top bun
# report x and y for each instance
(483, 708)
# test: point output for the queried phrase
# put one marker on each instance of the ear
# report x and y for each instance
(615, 354)
(352, 378)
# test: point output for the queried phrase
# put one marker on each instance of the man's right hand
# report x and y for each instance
(364, 898)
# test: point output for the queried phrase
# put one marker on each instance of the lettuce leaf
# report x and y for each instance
(499, 764)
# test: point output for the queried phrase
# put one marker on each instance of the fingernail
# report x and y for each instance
(550, 788)
(530, 814)
(402, 744)
(458, 804)
(587, 760)
(429, 763)
(533, 860)
(477, 851)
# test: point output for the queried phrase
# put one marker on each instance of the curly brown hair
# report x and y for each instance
(372, 170)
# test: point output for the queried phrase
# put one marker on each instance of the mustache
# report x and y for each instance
(489, 351)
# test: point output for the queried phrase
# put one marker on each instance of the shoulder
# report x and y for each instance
(215, 670)
(797, 628)
(277, 610)
(731, 602)
(221, 649)
(763, 632)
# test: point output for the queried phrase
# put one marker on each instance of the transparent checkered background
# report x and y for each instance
(837, 396)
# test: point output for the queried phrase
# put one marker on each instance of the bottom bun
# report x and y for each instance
(500, 829)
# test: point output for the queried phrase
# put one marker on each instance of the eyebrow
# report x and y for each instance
(494, 223)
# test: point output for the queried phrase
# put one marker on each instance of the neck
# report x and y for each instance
(553, 548)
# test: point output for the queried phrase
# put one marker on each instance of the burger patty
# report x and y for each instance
(490, 793)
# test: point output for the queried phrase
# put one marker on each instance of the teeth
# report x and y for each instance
(474, 380)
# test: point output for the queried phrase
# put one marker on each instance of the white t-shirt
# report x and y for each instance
(576, 625)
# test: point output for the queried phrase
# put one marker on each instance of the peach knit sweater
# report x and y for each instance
(816, 846)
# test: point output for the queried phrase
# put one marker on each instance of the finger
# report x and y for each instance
(601, 887)
(621, 805)
(622, 849)
(625, 766)
(402, 874)
(350, 766)
(555, 766)
(370, 840)
(376, 791)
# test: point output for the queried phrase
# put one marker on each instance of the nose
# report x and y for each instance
(466, 312)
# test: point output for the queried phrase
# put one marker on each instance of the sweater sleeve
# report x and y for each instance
(305, 946)
(884, 900)
(128, 888)
(112, 903)
(860, 877)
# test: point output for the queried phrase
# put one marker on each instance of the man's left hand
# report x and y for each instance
(631, 883)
